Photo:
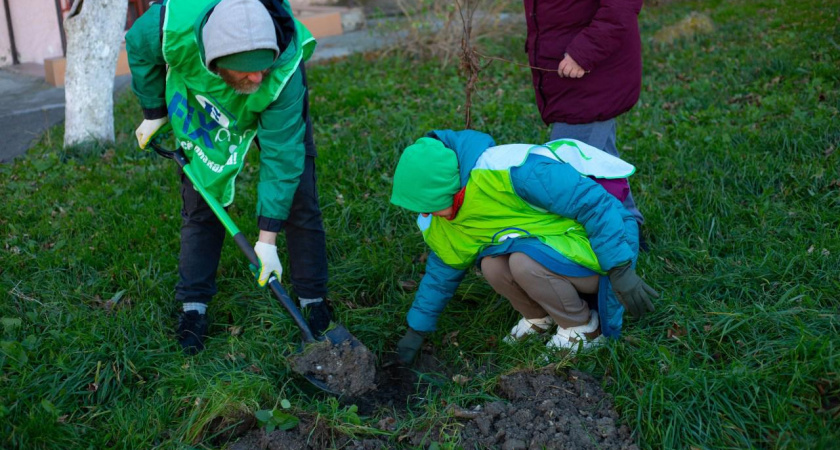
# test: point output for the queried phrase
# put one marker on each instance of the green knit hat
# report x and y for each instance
(249, 61)
(426, 178)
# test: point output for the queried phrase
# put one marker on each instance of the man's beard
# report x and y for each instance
(240, 86)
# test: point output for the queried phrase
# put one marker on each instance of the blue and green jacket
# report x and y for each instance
(556, 187)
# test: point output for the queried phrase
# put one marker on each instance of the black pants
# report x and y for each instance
(202, 236)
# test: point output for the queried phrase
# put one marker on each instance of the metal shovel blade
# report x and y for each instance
(338, 335)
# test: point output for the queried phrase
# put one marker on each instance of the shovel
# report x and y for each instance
(336, 334)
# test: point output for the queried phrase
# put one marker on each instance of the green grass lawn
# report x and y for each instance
(736, 139)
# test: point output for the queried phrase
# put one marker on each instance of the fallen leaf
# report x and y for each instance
(461, 379)
(235, 330)
(676, 331)
(408, 285)
(810, 249)
(387, 424)
(422, 257)
(492, 341)
(449, 338)
(631, 340)
(462, 413)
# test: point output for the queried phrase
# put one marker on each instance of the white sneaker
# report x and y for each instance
(571, 339)
(527, 327)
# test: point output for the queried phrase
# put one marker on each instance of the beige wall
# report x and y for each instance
(37, 37)
(5, 45)
(36, 29)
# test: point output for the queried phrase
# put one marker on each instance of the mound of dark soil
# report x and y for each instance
(548, 411)
(345, 369)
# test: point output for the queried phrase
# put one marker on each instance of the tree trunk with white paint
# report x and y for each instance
(94, 35)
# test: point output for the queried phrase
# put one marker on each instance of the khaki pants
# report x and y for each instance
(535, 291)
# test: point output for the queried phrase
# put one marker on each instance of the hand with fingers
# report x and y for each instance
(269, 263)
(569, 68)
(632, 292)
(151, 129)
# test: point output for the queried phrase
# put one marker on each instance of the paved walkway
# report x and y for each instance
(29, 106)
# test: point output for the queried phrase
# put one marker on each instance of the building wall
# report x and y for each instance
(35, 23)
(5, 44)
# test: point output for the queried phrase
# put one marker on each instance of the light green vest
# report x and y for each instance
(213, 124)
(492, 212)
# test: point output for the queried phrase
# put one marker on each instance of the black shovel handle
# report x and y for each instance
(240, 239)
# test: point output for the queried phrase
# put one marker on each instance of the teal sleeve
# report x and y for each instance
(280, 134)
(145, 59)
(436, 289)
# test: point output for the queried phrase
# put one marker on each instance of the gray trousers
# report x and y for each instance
(535, 291)
(600, 135)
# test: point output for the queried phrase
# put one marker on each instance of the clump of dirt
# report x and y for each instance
(547, 411)
(345, 369)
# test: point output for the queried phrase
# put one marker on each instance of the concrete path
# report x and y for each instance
(29, 106)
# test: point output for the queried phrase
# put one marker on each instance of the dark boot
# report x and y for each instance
(192, 330)
(318, 316)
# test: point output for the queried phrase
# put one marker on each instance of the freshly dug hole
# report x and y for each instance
(345, 369)
(401, 388)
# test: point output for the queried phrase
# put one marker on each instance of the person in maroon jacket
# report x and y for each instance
(587, 59)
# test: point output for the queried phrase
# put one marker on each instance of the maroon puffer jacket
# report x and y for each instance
(603, 37)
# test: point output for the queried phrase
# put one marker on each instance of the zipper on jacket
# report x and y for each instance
(536, 52)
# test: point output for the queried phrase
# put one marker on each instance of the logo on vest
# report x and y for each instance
(206, 119)
(213, 111)
(509, 233)
(212, 133)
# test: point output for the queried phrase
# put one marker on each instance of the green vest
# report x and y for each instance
(492, 212)
(213, 124)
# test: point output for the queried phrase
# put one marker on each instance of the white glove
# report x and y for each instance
(148, 129)
(269, 263)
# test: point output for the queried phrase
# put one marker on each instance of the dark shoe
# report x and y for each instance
(318, 317)
(192, 330)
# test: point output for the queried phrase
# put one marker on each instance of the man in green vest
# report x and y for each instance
(221, 74)
(544, 223)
